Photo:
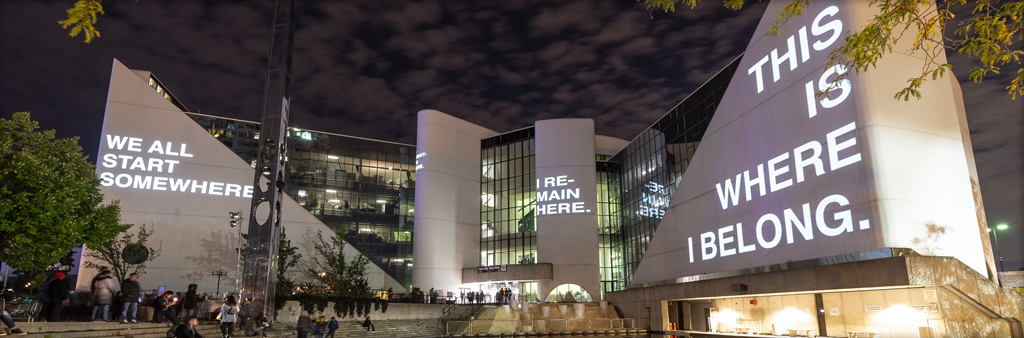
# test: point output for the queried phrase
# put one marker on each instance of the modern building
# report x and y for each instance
(180, 174)
(784, 194)
(360, 188)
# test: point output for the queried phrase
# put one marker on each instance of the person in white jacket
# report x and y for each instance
(228, 316)
(103, 289)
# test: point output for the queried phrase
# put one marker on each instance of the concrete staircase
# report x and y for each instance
(347, 328)
(100, 329)
(408, 328)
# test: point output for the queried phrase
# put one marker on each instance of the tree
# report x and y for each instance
(50, 197)
(342, 277)
(989, 36)
(82, 18)
(287, 258)
(124, 256)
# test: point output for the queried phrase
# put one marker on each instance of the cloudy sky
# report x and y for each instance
(365, 68)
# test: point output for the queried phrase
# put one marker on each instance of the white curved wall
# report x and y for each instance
(447, 217)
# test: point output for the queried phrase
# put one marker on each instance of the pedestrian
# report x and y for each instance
(116, 305)
(6, 317)
(191, 301)
(368, 324)
(103, 290)
(391, 293)
(163, 307)
(58, 294)
(131, 291)
(331, 327)
(304, 325)
(189, 330)
(228, 316)
(319, 326)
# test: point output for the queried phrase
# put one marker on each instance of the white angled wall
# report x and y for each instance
(190, 228)
(447, 236)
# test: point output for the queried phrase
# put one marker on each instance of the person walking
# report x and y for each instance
(103, 289)
(332, 326)
(368, 324)
(191, 301)
(131, 291)
(58, 293)
(228, 316)
(189, 330)
(304, 325)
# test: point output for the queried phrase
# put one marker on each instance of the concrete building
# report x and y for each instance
(757, 204)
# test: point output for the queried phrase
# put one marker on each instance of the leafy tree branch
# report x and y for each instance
(111, 254)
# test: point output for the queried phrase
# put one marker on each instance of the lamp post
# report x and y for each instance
(219, 273)
(995, 234)
(236, 221)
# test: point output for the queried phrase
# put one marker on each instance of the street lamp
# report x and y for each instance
(995, 234)
(236, 221)
(219, 273)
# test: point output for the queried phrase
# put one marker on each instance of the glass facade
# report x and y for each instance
(652, 165)
(362, 189)
(508, 197)
(609, 224)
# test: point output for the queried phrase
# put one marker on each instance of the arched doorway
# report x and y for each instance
(567, 293)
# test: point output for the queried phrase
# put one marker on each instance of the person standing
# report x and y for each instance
(58, 293)
(304, 325)
(228, 316)
(331, 327)
(116, 305)
(191, 301)
(189, 330)
(103, 289)
(131, 291)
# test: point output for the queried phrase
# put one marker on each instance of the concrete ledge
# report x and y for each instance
(539, 271)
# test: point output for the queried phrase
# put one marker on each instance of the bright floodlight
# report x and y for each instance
(1002, 227)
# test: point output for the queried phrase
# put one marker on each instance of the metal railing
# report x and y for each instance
(461, 327)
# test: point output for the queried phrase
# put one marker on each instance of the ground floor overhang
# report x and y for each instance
(903, 296)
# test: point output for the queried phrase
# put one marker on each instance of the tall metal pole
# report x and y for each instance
(995, 233)
(238, 258)
(259, 274)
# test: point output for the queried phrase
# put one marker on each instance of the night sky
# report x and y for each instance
(364, 68)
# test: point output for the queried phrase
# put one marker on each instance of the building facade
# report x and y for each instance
(180, 174)
(360, 188)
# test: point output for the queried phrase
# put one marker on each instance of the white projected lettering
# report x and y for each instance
(418, 157)
(135, 168)
(788, 58)
(654, 200)
(828, 217)
(559, 195)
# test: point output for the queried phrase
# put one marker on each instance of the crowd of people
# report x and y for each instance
(127, 303)
(320, 327)
(502, 296)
